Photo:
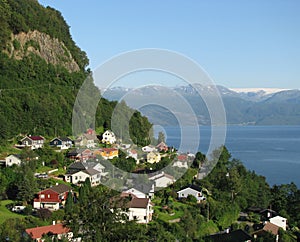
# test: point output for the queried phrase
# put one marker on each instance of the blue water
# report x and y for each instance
(271, 151)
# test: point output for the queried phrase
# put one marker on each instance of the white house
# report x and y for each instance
(13, 160)
(153, 157)
(191, 190)
(279, 221)
(81, 176)
(181, 164)
(34, 142)
(162, 180)
(148, 148)
(133, 154)
(108, 137)
(139, 209)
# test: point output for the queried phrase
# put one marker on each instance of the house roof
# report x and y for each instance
(91, 164)
(194, 187)
(162, 145)
(108, 149)
(60, 188)
(36, 137)
(38, 232)
(182, 157)
(143, 187)
(139, 203)
(15, 155)
(234, 236)
(129, 200)
(62, 139)
(91, 171)
(153, 176)
(77, 166)
(272, 228)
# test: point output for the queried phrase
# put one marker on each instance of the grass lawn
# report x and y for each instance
(5, 213)
(177, 212)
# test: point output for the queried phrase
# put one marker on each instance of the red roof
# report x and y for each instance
(182, 157)
(109, 149)
(36, 137)
(38, 232)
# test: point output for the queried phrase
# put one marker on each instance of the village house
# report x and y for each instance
(133, 154)
(162, 147)
(279, 221)
(138, 209)
(62, 142)
(148, 148)
(142, 190)
(52, 198)
(34, 142)
(78, 172)
(88, 139)
(108, 137)
(13, 160)
(80, 154)
(107, 153)
(58, 231)
(162, 179)
(79, 177)
(266, 227)
(181, 164)
(192, 190)
(153, 157)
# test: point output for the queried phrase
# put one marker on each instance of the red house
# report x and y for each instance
(52, 198)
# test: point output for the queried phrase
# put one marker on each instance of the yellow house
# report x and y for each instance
(107, 153)
(153, 157)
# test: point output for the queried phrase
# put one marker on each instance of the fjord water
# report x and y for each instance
(270, 151)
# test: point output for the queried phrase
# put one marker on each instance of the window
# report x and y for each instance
(42, 195)
(145, 217)
(134, 217)
(199, 194)
(182, 194)
(48, 195)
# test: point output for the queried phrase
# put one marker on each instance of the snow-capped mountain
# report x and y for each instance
(259, 106)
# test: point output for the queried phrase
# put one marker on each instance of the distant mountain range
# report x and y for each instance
(253, 106)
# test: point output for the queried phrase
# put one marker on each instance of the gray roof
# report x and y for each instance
(91, 171)
(61, 188)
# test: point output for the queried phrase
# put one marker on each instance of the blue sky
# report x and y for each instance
(239, 43)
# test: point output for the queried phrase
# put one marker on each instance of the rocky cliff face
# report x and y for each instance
(51, 50)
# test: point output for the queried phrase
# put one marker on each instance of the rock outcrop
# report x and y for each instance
(50, 49)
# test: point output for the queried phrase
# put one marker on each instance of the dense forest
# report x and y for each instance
(36, 96)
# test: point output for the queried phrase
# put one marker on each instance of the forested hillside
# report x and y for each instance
(41, 71)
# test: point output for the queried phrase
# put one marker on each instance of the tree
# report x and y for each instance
(199, 160)
(161, 137)
(44, 213)
(27, 186)
(69, 205)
